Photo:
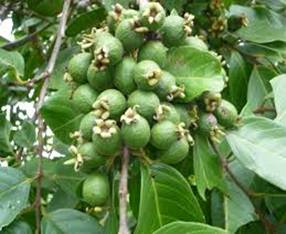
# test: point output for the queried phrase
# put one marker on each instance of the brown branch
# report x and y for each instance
(250, 194)
(14, 44)
(263, 109)
(123, 192)
(41, 126)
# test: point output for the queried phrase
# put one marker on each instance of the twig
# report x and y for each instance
(41, 126)
(14, 44)
(228, 170)
(250, 194)
(123, 192)
(263, 109)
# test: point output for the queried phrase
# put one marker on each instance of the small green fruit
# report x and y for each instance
(175, 153)
(99, 78)
(109, 50)
(123, 76)
(78, 66)
(135, 130)
(110, 104)
(184, 114)
(147, 75)
(166, 89)
(95, 189)
(86, 125)
(106, 137)
(208, 126)
(118, 14)
(209, 101)
(130, 34)
(146, 103)
(196, 43)
(163, 134)
(83, 98)
(226, 114)
(166, 111)
(153, 16)
(155, 51)
(176, 29)
(91, 159)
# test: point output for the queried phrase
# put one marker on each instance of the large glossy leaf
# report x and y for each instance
(17, 227)
(14, 194)
(69, 221)
(165, 197)
(195, 69)
(264, 25)
(258, 89)
(260, 146)
(208, 172)
(26, 136)
(5, 129)
(12, 62)
(238, 79)
(171, 4)
(279, 84)
(61, 115)
(85, 21)
(189, 228)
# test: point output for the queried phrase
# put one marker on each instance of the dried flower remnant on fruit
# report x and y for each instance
(188, 23)
(130, 116)
(101, 109)
(182, 132)
(116, 12)
(105, 128)
(176, 92)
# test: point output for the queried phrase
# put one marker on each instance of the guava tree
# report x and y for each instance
(143, 117)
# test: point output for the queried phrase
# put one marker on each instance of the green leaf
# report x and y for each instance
(18, 227)
(264, 25)
(69, 221)
(238, 80)
(55, 174)
(12, 62)
(278, 85)
(14, 194)
(171, 4)
(196, 70)
(190, 228)
(208, 173)
(61, 199)
(238, 209)
(165, 197)
(260, 146)
(26, 136)
(85, 21)
(56, 81)
(5, 129)
(61, 115)
(258, 89)
(46, 7)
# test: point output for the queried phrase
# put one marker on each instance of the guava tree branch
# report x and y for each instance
(250, 194)
(14, 44)
(123, 192)
(41, 126)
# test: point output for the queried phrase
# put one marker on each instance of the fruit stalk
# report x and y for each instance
(123, 192)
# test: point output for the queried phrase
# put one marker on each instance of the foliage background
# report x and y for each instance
(240, 189)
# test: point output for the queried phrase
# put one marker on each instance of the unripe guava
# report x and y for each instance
(83, 98)
(78, 66)
(226, 114)
(95, 189)
(86, 125)
(146, 103)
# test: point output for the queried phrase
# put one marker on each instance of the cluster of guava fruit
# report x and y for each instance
(130, 100)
